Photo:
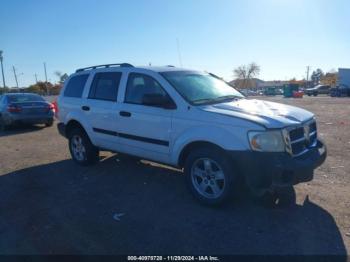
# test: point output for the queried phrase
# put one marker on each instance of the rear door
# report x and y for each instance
(101, 108)
(144, 130)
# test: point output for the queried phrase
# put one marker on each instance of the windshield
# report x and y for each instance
(201, 88)
(25, 98)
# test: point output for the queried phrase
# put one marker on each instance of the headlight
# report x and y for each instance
(267, 141)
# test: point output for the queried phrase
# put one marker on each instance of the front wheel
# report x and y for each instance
(209, 175)
(82, 150)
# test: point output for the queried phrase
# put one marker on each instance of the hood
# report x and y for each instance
(268, 114)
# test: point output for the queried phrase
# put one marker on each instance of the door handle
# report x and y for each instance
(85, 108)
(125, 114)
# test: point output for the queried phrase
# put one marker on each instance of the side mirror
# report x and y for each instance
(158, 100)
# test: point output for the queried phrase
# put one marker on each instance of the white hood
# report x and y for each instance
(269, 114)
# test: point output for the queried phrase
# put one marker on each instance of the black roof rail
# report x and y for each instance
(105, 66)
(170, 66)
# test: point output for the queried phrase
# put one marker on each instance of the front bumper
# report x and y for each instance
(262, 171)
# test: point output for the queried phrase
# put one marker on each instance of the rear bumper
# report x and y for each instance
(61, 127)
(34, 119)
(262, 171)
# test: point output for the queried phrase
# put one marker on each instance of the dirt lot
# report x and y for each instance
(49, 205)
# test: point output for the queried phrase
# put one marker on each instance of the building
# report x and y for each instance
(344, 76)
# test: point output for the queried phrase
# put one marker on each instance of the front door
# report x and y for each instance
(143, 129)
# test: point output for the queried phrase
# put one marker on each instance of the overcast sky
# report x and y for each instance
(282, 36)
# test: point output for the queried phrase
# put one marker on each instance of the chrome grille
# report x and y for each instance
(302, 138)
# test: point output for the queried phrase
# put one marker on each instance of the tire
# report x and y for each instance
(49, 123)
(3, 126)
(209, 175)
(83, 152)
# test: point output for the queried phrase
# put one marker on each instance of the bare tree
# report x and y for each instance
(245, 73)
(62, 77)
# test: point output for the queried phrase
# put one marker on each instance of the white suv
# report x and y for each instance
(192, 120)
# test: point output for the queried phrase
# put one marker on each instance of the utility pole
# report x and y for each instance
(2, 69)
(307, 76)
(45, 72)
(47, 89)
(14, 72)
(36, 78)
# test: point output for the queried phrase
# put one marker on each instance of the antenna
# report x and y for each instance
(178, 51)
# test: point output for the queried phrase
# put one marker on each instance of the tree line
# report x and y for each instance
(41, 87)
(246, 74)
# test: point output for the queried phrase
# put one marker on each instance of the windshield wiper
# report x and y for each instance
(227, 98)
(217, 99)
(202, 101)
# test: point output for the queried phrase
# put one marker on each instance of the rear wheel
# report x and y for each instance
(49, 123)
(210, 175)
(3, 126)
(82, 150)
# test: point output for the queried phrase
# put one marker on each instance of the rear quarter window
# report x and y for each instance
(75, 86)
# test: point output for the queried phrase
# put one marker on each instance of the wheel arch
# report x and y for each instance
(72, 124)
(186, 150)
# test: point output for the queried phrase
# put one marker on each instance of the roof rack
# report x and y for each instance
(104, 66)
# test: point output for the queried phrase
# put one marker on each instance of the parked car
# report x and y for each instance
(298, 94)
(339, 91)
(190, 120)
(279, 91)
(318, 90)
(270, 91)
(26, 108)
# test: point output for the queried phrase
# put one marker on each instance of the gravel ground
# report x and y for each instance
(49, 205)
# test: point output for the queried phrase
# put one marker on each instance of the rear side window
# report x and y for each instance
(105, 86)
(75, 86)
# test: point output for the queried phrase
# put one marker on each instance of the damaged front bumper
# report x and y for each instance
(263, 171)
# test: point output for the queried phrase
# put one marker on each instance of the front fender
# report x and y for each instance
(228, 138)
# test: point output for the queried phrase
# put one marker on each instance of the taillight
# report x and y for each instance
(50, 107)
(14, 109)
(55, 106)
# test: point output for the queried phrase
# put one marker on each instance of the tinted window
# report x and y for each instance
(75, 86)
(140, 85)
(25, 98)
(105, 86)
